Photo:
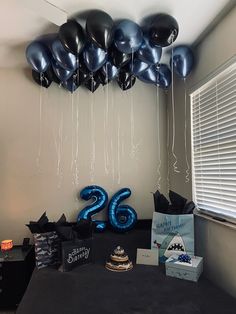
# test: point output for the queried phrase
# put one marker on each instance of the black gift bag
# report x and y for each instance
(75, 253)
(47, 249)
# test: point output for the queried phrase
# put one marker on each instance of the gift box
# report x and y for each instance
(188, 271)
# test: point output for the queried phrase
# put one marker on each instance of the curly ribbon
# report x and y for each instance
(168, 146)
(185, 135)
(118, 150)
(173, 114)
(93, 147)
(158, 138)
(40, 122)
(58, 141)
(105, 127)
(132, 153)
(77, 143)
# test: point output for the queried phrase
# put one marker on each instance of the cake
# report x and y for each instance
(119, 260)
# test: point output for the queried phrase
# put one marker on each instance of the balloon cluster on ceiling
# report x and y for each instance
(106, 51)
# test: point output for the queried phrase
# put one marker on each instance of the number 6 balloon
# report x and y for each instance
(121, 217)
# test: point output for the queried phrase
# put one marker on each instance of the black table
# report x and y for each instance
(15, 273)
(91, 289)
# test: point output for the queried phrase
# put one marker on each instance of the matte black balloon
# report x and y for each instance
(93, 83)
(163, 30)
(41, 79)
(72, 37)
(99, 27)
(119, 58)
(125, 79)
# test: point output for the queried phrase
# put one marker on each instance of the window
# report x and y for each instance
(213, 121)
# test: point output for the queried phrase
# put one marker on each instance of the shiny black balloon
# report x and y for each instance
(42, 79)
(119, 59)
(163, 30)
(103, 78)
(72, 37)
(84, 73)
(93, 83)
(99, 27)
(125, 79)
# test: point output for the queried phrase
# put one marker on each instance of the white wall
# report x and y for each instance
(29, 187)
(213, 241)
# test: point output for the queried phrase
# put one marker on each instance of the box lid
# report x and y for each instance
(174, 263)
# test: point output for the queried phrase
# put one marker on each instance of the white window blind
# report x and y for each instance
(213, 118)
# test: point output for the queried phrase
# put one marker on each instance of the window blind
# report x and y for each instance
(213, 121)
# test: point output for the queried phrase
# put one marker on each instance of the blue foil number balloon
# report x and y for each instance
(121, 217)
(100, 201)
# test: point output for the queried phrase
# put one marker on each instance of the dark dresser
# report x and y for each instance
(15, 273)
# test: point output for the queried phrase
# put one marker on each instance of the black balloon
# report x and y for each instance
(42, 79)
(72, 37)
(163, 30)
(72, 84)
(93, 83)
(84, 73)
(119, 59)
(99, 27)
(125, 79)
(102, 77)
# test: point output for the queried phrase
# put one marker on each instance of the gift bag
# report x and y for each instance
(47, 249)
(172, 234)
(75, 253)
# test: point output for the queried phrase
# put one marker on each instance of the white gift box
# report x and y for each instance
(188, 271)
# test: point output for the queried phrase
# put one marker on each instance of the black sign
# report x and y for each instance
(76, 253)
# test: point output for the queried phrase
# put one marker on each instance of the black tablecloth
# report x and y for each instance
(92, 289)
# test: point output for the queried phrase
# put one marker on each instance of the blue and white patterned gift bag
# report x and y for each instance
(172, 234)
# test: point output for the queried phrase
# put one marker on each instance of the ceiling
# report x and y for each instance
(22, 21)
